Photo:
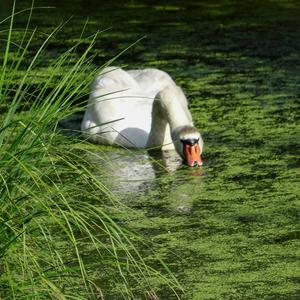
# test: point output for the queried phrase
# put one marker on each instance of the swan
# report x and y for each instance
(141, 108)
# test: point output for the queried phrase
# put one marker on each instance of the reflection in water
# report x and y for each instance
(134, 171)
(154, 174)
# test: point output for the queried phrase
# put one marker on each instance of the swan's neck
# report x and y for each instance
(160, 130)
(169, 112)
(175, 106)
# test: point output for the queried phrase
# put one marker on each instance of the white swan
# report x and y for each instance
(141, 109)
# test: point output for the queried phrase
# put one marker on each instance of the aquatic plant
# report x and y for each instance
(59, 237)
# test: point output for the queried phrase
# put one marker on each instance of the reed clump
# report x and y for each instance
(58, 236)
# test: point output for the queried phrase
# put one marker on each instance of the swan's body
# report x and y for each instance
(139, 109)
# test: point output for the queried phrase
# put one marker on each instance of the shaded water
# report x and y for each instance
(229, 230)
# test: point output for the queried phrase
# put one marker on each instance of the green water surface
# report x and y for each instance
(229, 230)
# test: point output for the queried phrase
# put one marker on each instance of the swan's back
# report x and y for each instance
(119, 111)
(151, 81)
(112, 78)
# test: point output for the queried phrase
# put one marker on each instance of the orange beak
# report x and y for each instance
(192, 155)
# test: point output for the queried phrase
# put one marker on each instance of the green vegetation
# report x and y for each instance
(60, 237)
(228, 230)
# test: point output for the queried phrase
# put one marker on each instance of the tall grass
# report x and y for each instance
(58, 236)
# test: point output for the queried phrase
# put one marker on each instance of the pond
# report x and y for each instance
(230, 229)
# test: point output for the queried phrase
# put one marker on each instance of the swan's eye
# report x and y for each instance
(189, 141)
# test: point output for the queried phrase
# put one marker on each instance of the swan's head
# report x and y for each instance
(189, 144)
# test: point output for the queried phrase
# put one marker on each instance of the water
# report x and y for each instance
(229, 230)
